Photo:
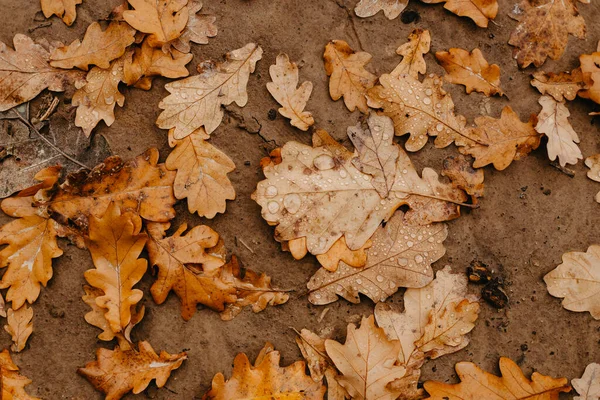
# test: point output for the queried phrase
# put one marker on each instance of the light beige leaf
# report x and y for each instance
(588, 386)
(366, 362)
(201, 175)
(20, 326)
(283, 89)
(562, 139)
(401, 256)
(98, 47)
(593, 163)
(25, 72)
(391, 8)
(564, 85)
(412, 52)
(470, 69)
(199, 28)
(310, 192)
(96, 99)
(577, 281)
(196, 101)
(164, 20)
(347, 74)
(64, 9)
(340, 252)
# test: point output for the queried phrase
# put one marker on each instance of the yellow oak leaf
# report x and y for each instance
(19, 326)
(391, 8)
(480, 11)
(64, 9)
(412, 52)
(564, 85)
(471, 70)
(590, 68)
(13, 383)
(340, 252)
(163, 20)
(348, 77)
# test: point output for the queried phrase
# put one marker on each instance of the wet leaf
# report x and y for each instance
(401, 256)
(391, 8)
(64, 9)
(266, 379)
(199, 28)
(593, 163)
(283, 89)
(564, 85)
(412, 52)
(562, 139)
(577, 281)
(366, 362)
(340, 252)
(98, 47)
(20, 326)
(25, 72)
(471, 70)
(163, 20)
(13, 383)
(120, 371)
(588, 386)
(476, 383)
(348, 77)
(463, 176)
(480, 11)
(543, 30)
(201, 174)
(115, 243)
(309, 192)
(196, 101)
(590, 67)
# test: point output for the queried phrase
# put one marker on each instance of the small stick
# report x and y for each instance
(562, 169)
(245, 245)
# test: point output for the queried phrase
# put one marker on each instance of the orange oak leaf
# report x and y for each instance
(480, 11)
(13, 383)
(471, 70)
(590, 67)
(340, 252)
(412, 52)
(564, 85)
(163, 20)
(64, 9)
(19, 326)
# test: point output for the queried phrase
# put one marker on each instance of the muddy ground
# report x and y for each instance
(531, 213)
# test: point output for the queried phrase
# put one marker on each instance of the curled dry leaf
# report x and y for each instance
(96, 99)
(564, 85)
(418, 109)
(588, 386)
(266, 379)
(463, 176)
(593, 163)
(201, 174)
(64, 9)
(196, 101)
(412, 52)
(480, 11)
(401, 256)
(471, 70)
(543, 30)
(309, 192)
(366, 362)
(163, 20)
(391, 8)
(98, 47)
(562, 139)
(25, 72)
(199, 28)
(476, 384)
(500, 141)
(590, 67)
(115, 243)
(577, 281)
(13, 383)
(19, 326)
(348, 77)
(283, 89)
(123, 370)
(340, 252)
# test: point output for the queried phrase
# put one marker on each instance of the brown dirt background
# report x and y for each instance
(518, 230)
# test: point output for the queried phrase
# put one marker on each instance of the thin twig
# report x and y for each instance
(49, 143)
(245, 245)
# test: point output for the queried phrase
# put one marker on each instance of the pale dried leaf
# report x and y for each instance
(199, 28)
(391, 8)
(64, 9)
(412, 52)
(164, 20)
(471, 70)
(401, 256)
(201, 175)
(588, 386)
(196, 101)
(593, 163)
(347, 74)
(366, 362)
(340, 252)
(13, 383)
(19, 326)
(564, 85)
(577, 281)
(284, 75)
(562, 139)
(98, 47)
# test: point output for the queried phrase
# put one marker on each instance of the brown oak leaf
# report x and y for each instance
(564, 85)
(391, 8)
(19, 326)
(64, 9)
(480, 11)
(13, 383)
(471, 70)
(199, 28)
(463, 176)
(163, 20)
(340, 252)
(412, 52)
(590, 67)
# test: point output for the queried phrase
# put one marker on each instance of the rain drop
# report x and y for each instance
(379, 278)
(273, 207)
(418, 258)
(323, 162)
(409, 243)
(271, 191)
(402, 262)
(292, 203)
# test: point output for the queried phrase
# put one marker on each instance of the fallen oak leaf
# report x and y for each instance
(392, 262)
(564, 85)
(98, 47)
(340, 252)
(348, 77)
(471, 70)
(25, 72)
(13, 383)
(284, 75)
(199, 28)
(593, 163)
(562, 139)
(164, 20)
(120, 371)
(463, 176)
(480, 11)
(590, 68)
(63, 9)
(196, 101)
(588, 386)
(19, 326)
(391, 8)
(266, 379)
(577, 281)
(412, 52)
(476, 383)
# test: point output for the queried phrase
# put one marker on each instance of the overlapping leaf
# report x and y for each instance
(412, 52)
(480, 11)
(19, 326)
(340, 252)
(564, 85)
(163, 20)
(64, 9)
(13, 383)
(590, 68)
(463, 176)
(471, 70)
(391, 8)
(199, 28)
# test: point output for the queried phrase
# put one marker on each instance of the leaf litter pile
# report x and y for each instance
(375, 223)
